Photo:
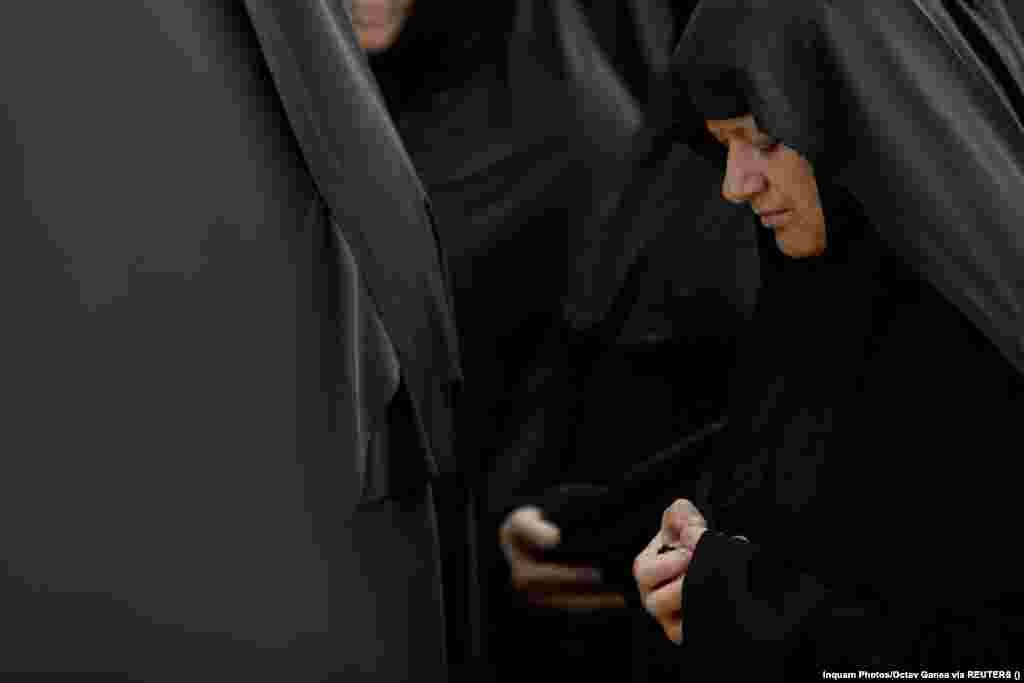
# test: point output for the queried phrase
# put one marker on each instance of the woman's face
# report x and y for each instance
(776, 181)
(378, 23)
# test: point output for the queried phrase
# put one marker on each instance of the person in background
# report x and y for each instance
(858, 515)
(228, 352)
(524, 133)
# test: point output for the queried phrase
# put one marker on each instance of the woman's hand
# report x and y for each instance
(524, 536)
(660, 569)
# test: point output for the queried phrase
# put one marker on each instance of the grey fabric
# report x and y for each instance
(195, 368)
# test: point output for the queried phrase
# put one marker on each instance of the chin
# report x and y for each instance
(799, 248)
(378, 39)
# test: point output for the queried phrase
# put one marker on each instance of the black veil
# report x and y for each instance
(913, 107)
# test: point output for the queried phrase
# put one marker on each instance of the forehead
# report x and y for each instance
(390, 5)
(724, 128)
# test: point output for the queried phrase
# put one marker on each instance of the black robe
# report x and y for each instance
(1017, 15)
(517, 124)
(225, 396)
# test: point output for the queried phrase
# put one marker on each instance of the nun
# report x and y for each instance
(518, 125)
(228, 351)
(859, 511)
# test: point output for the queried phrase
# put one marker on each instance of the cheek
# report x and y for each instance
(805, 185)
(804, 236)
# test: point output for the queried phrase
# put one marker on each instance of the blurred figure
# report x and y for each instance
(228, 352)
(501, 128)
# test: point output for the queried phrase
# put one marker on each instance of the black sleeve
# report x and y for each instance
(742, 605)
(747, 611)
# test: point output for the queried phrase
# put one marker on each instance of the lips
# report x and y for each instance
(773, 219)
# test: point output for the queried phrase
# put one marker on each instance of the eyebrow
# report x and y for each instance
(751, 135)
(719, 132)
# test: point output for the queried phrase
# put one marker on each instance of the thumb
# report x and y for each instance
(678, 517)
(531, 527)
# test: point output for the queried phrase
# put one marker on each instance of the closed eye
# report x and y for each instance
(717, 138)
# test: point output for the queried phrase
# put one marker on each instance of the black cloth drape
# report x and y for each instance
(326, 106)
(639, 36)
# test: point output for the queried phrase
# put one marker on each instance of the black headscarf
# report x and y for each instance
(638, 36)
(440, 46)
(914, 107)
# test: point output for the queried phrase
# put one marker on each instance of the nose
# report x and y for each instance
(743, 178)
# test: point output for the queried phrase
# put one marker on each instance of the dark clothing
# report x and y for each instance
(1016, 11)
(504, 134)
(870, 475)
(876, 401)
(501, 105)
(221, 419)
(646, 343)
(639, 36)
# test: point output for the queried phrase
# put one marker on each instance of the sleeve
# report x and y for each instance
(746, 611)
(735, 593)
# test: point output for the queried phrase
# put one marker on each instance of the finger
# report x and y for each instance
(521, 560)
(680, 509)
(526, 526)
(579, 602)
(690, 536)
(681, 514)
(666, 603)
(651, 549)
(655, 571)
(674, 631)
(528, 575)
